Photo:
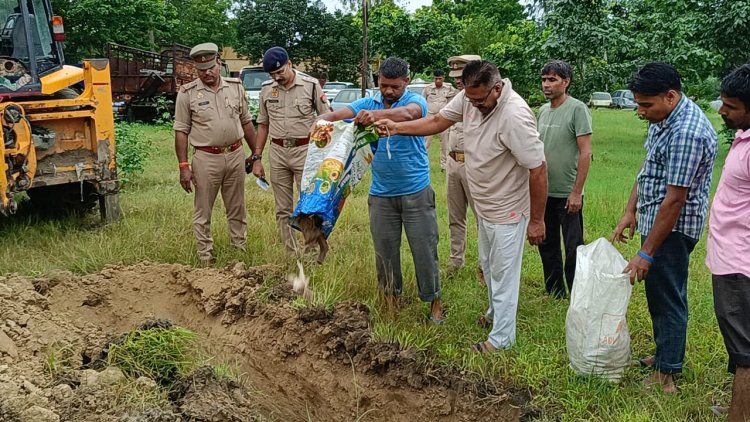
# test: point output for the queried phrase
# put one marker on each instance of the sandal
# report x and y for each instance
(482, 348)
(483, 321)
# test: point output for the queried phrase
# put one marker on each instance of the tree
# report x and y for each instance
(519, 56)
(319, 40)
(262, 24)
(203, 21)
(90, 24)
(425, 39)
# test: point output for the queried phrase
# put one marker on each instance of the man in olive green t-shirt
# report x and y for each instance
(565, 128)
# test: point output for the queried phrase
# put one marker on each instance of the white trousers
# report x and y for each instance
(500, 255)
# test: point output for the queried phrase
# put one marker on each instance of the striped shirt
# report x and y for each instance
(680, 151)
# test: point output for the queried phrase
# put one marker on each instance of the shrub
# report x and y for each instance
(133, 148)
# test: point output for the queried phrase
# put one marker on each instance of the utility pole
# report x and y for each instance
(365, 60)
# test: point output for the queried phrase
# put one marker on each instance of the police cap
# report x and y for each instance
(204, 55)
(274, 58)
(457, 63)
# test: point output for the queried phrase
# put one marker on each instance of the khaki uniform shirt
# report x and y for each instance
(437, 97)
(456, 132)
(291, 113)
(212, 118)
(500, 150)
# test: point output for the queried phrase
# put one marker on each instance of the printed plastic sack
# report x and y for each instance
(596, 331)
(336, 162)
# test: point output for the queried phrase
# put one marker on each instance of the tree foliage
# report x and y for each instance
(604, 40)
(147, 24)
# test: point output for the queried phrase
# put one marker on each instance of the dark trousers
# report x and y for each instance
(416, 214)
(732, 306)
(556, 217)
(666, 294)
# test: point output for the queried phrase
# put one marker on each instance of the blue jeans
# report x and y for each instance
(666, 294)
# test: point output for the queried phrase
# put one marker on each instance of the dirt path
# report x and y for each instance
(298, 365)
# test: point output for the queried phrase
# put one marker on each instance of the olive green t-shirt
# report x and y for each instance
(558, 128)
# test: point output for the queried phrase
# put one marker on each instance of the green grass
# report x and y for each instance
(156, 226)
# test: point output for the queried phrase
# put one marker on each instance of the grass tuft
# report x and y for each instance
(160, 354)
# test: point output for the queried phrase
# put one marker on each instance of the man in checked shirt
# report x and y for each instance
(670, 197)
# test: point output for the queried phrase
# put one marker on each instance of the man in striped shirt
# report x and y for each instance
(670, 198)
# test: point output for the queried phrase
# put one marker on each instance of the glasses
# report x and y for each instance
(476, 102)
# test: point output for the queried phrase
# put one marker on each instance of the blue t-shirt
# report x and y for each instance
(407, 171)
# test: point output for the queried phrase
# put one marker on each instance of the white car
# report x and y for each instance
(600, 99)
(416, 88)
(333, 88)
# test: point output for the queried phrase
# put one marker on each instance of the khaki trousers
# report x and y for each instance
(459, 198)
(214, 173)
(286, 171)
(444, 148)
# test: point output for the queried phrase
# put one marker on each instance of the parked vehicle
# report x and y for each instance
(417, 88)
(57, 145)
(333, 88)
(623, 98)
(145, 79)
(600, 99)
(252, 78)
(348, 96)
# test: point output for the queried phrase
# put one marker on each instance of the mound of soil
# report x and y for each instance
(296, 364)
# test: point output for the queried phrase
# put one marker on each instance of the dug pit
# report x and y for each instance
(296, 364)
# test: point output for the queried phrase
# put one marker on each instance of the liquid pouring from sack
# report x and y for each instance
(300, 283)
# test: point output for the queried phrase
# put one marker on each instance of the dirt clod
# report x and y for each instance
(295, 364)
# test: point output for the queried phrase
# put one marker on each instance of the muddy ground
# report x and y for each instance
(296, 364)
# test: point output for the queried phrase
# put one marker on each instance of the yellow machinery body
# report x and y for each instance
(67, 140)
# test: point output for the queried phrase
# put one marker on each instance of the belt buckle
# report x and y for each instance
(223, 150)
(289, 143)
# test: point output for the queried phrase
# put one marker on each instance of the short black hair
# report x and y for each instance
(737, 85)
(559, 68)
(655, 78)
(394, 68)
(438, 72)
(480, 73)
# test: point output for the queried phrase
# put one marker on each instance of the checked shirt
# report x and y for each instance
(680, 151)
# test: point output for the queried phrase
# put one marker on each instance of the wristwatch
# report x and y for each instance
(255, 157)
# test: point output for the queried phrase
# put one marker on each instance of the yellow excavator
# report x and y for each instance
(57, 144)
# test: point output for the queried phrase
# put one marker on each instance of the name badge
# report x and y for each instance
(203, 103)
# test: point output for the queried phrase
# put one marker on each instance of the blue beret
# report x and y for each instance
(274, 58)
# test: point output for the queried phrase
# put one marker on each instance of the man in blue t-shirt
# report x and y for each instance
(400, 193)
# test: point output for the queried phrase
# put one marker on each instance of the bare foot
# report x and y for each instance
(665, 381)
(437, 310)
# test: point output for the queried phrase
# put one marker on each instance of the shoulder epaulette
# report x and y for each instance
(189, 85)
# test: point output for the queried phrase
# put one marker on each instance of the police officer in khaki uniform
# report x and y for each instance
(437, 95)
(289, 104)
(459, 197)
(211, 115)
